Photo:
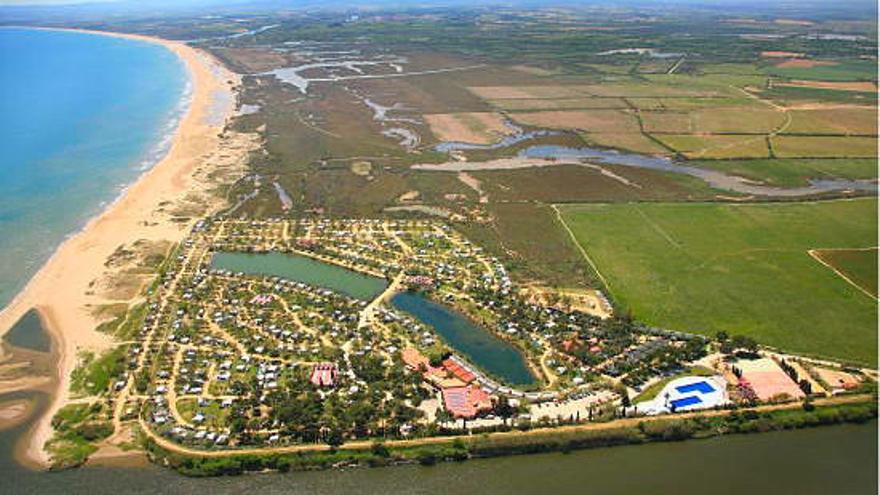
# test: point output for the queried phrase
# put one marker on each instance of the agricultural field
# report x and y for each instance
(825, 70)
(824, 146)
(858, 266)
(738, 268)
(835, 120)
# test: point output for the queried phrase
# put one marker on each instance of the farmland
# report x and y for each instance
(858, 266)
(737, 268)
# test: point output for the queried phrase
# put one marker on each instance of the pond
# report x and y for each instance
(480, 347)
(302, 269)
(485, 350)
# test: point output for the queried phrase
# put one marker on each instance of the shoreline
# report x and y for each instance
(60, 289)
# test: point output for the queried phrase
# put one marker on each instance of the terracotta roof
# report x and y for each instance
(466, 402)
(458, 371)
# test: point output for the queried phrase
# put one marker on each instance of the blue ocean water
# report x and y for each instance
(81, 116)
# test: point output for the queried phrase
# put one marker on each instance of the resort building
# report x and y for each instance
(689, 393)
(324, 375)
(466, 402)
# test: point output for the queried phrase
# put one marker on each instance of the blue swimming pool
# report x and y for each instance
(701, 387)
(685, 401)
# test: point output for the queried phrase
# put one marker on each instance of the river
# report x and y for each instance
(530, 156)
(839, 460)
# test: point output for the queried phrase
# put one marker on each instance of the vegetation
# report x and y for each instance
(77, 427)
(743, 269)
(858, 265)
(93, 374)
(489, 445)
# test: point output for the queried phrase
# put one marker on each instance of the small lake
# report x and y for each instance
(302, 269)
(487, 351)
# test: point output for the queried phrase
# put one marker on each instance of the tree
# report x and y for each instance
(334, 438)
(744, 342)
(503, 408)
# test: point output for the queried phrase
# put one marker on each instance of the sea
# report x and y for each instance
(81, 117)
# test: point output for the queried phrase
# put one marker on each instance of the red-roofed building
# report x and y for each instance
(458, 371)
(466, 402)
(324, 375)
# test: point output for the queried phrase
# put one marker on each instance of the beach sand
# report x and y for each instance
(60, 291)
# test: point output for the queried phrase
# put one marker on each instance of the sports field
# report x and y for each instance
(741, 268)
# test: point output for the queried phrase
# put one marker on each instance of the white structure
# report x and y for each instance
(689, 393)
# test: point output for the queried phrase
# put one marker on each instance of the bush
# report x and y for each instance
(95, 430)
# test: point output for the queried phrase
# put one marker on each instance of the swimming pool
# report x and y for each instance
(702, 387)
(684, 402)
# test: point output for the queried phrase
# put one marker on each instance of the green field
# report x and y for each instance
(740, 268)
(858, 265)
(843, 70)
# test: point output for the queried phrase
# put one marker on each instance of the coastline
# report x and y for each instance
(59, 291)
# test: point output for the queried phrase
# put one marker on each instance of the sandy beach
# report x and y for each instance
(60, 291)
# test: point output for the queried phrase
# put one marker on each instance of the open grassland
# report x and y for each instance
(739, 268)
(823, 146)
(858, 266)
(794, 172)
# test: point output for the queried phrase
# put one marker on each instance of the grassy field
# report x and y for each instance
(852, 70)
(743, 269)
(858, 265)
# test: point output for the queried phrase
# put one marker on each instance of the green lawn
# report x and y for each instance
(740, 268)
